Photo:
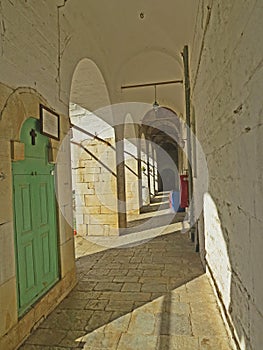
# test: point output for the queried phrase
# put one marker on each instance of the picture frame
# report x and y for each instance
(49, 122)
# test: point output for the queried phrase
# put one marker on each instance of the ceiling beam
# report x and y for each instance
(168, 82)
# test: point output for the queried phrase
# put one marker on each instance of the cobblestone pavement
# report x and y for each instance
(153, 296)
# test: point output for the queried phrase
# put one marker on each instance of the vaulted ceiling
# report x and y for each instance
(130, 42)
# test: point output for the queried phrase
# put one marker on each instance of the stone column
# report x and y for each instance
(139, 147)
(120, 172)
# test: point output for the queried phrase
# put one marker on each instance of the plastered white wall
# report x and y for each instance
(227, 84)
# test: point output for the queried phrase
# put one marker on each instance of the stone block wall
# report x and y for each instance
(227, 84)
(29, 47)
(131, 179)
(29, 66)
(15, 107)
(95, 186)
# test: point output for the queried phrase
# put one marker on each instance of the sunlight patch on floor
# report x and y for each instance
(186, 318)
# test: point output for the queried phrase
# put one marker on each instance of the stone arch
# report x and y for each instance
(75, 54)
(164, 129)
(152, 65)
(88, 88)
(20, 104)
(93, 149)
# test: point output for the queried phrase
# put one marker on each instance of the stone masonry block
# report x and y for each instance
(108, 209)
(226, 97)
(108, 200)
(239, 309)
(92, 200)
(79, 219)
(92, 210)
(90, 177)
(4, 149)
(65, 219)
(77, 178)
(113, 231)
(94, 170)
(6, 211)
(256, 262)
(67, 257)
(82, 230)
(105, 219)
(85, 156)
(107, 176)
(8, 306)
(256, 321)
(81, 187)
(79, 199)
(7, 256)
(17, 150)
(96, 230)
(5, 92)
(106, 187)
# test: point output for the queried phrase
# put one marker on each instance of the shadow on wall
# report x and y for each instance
(227, 261)
(99, 140)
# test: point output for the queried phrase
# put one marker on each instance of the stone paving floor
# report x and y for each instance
(150, 296)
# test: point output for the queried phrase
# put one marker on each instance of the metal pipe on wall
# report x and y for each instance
(185, 55)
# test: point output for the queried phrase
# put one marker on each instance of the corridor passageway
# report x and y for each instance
(106, 108)
(153, 296)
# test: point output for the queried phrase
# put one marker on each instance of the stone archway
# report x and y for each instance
(163, 129)
(93, 155)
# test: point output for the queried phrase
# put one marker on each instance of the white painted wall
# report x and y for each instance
(227, 85)
(29, 47)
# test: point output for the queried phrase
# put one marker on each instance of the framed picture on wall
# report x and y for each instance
(49, 122)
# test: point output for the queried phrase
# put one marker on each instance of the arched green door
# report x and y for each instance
(35, 217)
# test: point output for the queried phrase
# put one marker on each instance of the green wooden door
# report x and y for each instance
(35, 219)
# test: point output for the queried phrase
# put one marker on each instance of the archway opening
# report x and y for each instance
(162, 129)
(93, 150)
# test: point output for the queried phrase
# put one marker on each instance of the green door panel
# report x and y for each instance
(46, 220)
(25, 237)
(43, 201)
(35, 218)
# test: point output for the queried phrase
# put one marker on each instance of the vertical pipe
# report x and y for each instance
(189, 144)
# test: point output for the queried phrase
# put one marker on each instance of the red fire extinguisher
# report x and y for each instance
(184, 191)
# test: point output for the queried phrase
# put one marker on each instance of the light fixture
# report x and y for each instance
(155, 104)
